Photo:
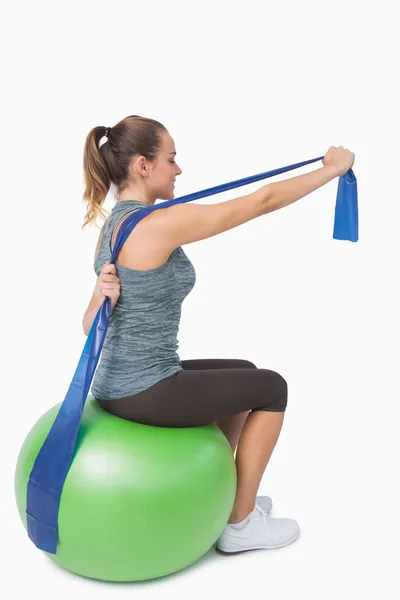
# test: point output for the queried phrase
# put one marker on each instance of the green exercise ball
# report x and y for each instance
(139, 502)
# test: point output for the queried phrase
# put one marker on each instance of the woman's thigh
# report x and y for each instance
(219, 363)
(200, 396)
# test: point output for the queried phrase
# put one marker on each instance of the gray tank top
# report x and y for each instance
(140, 347)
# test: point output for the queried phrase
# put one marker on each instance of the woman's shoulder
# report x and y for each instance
(143, 249)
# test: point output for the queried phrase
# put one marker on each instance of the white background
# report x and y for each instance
(242, 88)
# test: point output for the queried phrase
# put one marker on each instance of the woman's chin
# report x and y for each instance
(169, 194)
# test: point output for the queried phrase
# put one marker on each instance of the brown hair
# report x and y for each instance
(109, 163)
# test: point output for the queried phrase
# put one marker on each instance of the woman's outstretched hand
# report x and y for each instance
(340, 158)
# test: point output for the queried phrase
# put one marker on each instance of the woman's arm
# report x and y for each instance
(283, 193)
(96, 300)
(107, 284)
(91, 312)
(111, 285)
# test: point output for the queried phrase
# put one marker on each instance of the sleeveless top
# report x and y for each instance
(140, 347)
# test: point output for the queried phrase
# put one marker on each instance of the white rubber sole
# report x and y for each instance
(225, 553)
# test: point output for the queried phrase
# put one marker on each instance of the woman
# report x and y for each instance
(140, 376)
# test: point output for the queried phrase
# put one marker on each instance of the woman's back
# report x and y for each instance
(141, 343)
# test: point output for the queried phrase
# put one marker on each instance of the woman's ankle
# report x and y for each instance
(238, 516)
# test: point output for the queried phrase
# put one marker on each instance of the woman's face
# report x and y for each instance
(165, 170)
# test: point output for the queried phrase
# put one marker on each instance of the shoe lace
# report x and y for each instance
(263, 514)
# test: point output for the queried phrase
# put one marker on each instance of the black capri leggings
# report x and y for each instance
(205, 391)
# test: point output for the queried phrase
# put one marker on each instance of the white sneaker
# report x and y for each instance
(260, 532)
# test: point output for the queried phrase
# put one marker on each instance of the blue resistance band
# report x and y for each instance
(54, 459)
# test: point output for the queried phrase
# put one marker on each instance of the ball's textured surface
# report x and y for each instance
(139, 502)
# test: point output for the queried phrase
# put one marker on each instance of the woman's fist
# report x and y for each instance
(108, 284)
(340, 158)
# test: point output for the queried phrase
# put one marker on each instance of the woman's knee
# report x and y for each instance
(280, 400)
(278, 397)
(247, 364)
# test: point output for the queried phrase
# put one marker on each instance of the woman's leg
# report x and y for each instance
(195, 397)
(257, 442)
(231, 426)
(249, 472)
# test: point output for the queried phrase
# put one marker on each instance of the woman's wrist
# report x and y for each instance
(333, 170)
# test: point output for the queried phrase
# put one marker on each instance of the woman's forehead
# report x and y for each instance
(168, 143)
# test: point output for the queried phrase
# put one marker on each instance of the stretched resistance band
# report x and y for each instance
(54, 459)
